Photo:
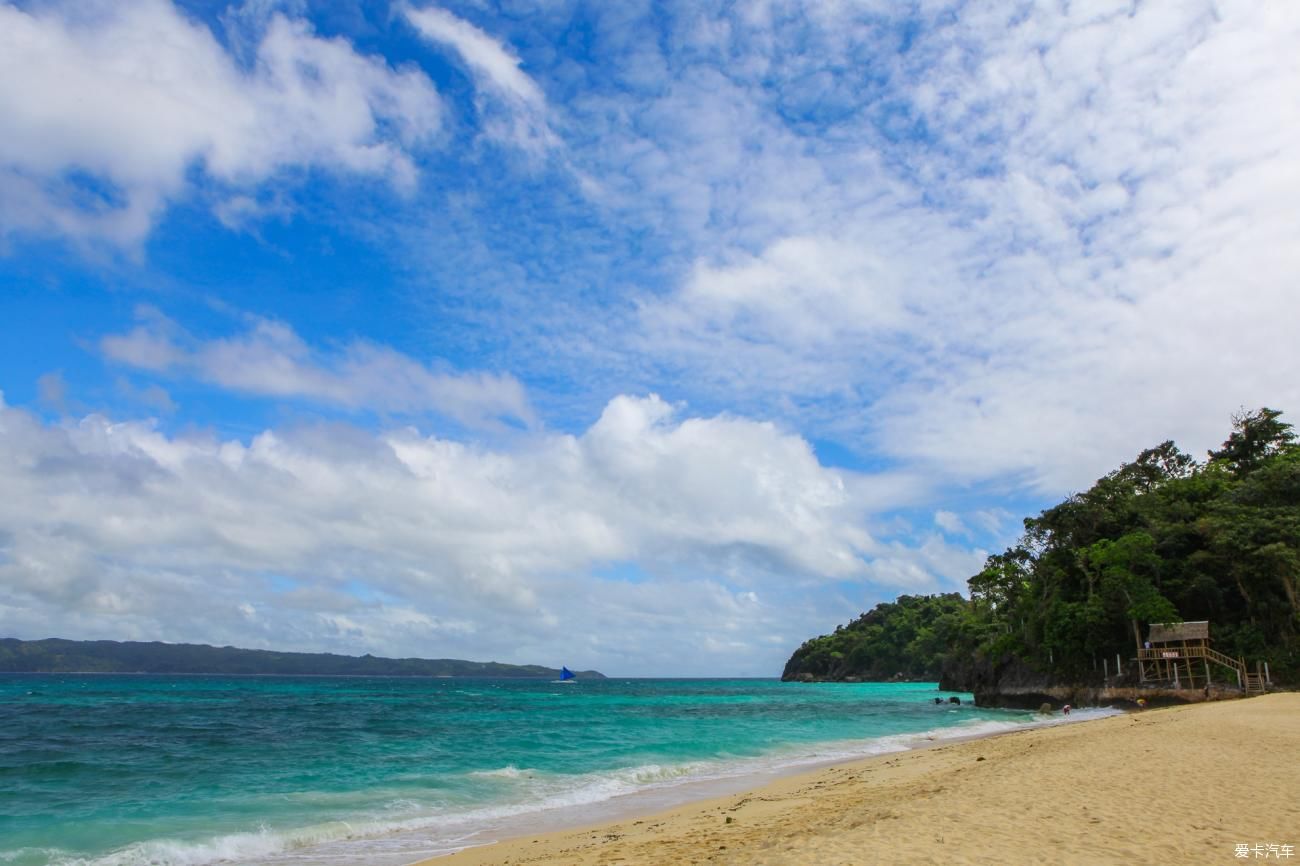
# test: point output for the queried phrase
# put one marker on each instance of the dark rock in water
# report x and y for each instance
(954, 700)
(938, 700)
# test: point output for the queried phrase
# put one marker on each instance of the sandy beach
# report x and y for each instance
(1165, 786)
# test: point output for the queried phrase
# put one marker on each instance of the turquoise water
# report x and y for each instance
(192, 770)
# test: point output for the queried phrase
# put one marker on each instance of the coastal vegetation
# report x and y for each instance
(55, 655)
(1163, 538)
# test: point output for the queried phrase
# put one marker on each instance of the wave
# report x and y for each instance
(530, 797)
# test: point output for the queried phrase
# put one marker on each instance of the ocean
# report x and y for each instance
(102, 770)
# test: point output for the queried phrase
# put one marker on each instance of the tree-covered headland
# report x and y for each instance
(1164, 538)
(906, 639)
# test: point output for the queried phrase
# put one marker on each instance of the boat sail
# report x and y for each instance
(566, 675)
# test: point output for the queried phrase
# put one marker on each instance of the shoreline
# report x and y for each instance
(757, 772)
(1177, 784)
(655, 799)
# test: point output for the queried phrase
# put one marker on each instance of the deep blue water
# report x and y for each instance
(188, 769)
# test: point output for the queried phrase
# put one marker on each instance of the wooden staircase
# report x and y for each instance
(1238, 665)
(1253, 683)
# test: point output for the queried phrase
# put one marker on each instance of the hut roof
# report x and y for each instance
(1168, 632)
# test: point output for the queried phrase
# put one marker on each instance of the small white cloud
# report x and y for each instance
(513, 106)
(52, 390)
(950, 523)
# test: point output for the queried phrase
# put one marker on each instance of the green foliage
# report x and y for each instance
(106, 656)
(1161, 539)
(910, 637)
(1256, 436)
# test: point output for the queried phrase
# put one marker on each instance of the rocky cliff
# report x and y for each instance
(1010, 682)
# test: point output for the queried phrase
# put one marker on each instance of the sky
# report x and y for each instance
(653, 338)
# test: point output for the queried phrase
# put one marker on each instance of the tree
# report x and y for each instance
(1127, 569)
(1255, 437)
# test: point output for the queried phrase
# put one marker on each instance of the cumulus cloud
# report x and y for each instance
(406, 543)
(512, 106)
(110, 107)
(271, 360)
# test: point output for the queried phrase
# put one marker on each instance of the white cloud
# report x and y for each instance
(933, 565)
(512, 105)
(403, 543)
(950, 523)
(109, 106)
(787, 292)
(1041, 246)
(270, 360)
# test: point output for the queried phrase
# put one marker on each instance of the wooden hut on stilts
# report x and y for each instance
(1178, 655)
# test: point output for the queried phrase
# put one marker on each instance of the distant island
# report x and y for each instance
(1061, 614)
(55, 655)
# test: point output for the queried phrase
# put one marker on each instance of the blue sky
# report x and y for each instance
(654, 338)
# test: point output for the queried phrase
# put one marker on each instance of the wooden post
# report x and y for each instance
(1267, 678)
(1105, 670)
(1119, 669)
(1207, 673)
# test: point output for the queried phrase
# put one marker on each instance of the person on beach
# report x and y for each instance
(1066, 709)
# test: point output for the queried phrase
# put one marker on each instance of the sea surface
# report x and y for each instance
(312, 771)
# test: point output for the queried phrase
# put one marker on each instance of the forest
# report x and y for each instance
(1164, 538)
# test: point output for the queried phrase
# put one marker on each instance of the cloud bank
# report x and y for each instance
(646, 540)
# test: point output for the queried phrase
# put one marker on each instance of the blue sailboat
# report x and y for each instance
(566, 675)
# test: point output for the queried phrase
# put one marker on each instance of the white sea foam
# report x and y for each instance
(534, 799)
(510, 771)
